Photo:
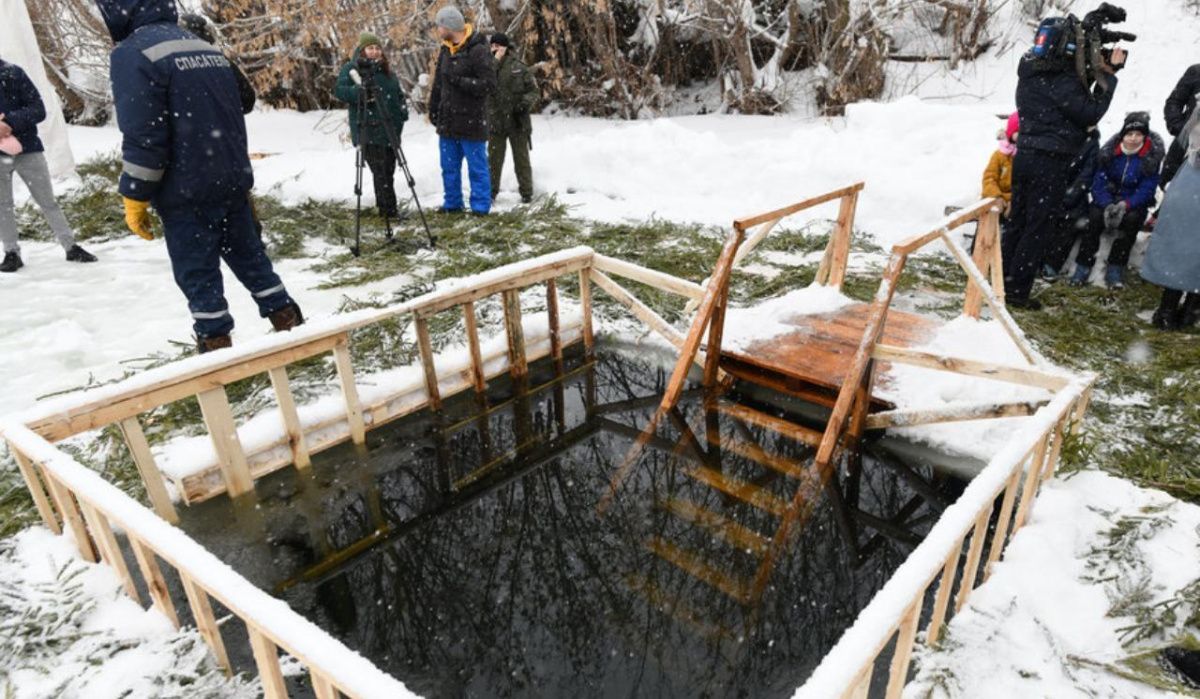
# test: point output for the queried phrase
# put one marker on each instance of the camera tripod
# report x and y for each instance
(368, 94)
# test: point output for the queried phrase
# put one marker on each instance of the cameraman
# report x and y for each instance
(1057, 110)
(376, 99)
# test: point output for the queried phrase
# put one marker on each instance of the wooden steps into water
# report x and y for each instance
(748, 493)
(698, 567)
(721, 527)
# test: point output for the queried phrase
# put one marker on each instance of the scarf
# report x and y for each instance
(1007, 147)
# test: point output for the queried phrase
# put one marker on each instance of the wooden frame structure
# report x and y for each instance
(73, 500)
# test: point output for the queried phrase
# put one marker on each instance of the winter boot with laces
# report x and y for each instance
(204, 345)
(12, 262)
(1189, 312)
(286, 318)
(78, 254)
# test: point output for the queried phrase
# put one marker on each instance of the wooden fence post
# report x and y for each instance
(556, 350)
(64, 499)
(206, 623)
(585, 298)
(986, 239)
(425, 344)
(477, 376)
(840, 246)
(518, 366)
(266, 657)
(110, 549)
(143, 458)
(155, 583)
(1005, 521)
(971, 567)
(905, 639)
(40, 499)
(214, 406)
(291, 417)
(941, 601)
(345, 370)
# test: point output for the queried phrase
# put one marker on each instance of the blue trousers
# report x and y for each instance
(197, 240)
(454, 150)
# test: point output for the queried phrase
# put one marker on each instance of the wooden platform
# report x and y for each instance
(812, 361)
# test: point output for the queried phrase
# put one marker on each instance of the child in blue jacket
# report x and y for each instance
(1123, 191)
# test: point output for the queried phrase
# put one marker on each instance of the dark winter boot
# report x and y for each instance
(1185, 662)
(12, 262)
(204, 345)
(286, 318)
(78, 254)
(1189, 313)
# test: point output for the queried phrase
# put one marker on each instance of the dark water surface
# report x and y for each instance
(480, 554)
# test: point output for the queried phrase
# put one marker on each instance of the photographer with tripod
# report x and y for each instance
(1066, 84)
(368, 110)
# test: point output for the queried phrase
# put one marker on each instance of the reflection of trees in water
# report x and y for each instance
(508, 581)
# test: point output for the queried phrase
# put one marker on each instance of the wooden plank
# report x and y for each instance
(1029, 492)
(156, 584)
(721, 527)
(643, 312)
(152, 478)
(345, 371)
(40, 500)
(526, 277)
(214, 406)
(746, 224)
(425, 344)
(971, 567)
(585, 298)
(556, 350)
(997, 270)
(478, 380)
(971, 213)
(953, 413)
(986, 238)
(746, 492)
(791, 430)
(753, 452)
(266, 657)
(206, 623)
(691, 344)
(290, 416)
(72, 518)
(1055, 451)
(941, 601)
(969, 367)
(93, 415)
(906, 637)
(1000, 536)
(840, 244)
(650, 277)
(517, 363)
(862, 359)
(861, 688)
(999, 312)
(110, 549)
(322, 687)
(716, 328)
(752, 242)
(699, 568)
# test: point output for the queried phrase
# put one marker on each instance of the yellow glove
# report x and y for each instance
(137, 217)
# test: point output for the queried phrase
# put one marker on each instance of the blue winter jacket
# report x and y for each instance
(1129, 178)
(178, 107)
(21, 105)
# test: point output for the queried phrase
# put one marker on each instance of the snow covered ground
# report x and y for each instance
(65, 325)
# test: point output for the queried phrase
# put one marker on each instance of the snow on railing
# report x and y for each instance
(895, 611)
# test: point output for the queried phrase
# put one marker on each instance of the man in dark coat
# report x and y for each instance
(21, 110)
(184, 150)
(1057, 110)
(508, 116)
(465, 75)
(1123, 191)
(1075, 209)
(369, 108)
(1180, 105)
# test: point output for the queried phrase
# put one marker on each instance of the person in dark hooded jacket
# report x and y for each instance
(368, 111)
(184, 150)
(1123, 191)
(465, 76)
(1057, 111)
(1076, 208)
(1179, 106)
(200, 26)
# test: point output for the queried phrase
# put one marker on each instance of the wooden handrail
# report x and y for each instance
(750, 222)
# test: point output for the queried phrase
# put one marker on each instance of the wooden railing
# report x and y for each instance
(959, 540)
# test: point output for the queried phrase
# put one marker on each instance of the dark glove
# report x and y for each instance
(1113, 213)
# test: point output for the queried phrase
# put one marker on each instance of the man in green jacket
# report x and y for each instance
(369, 68)
(508, 116)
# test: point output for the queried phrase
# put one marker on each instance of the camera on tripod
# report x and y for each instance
(1069, 43)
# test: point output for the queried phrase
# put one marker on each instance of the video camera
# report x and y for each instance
(1065, 43)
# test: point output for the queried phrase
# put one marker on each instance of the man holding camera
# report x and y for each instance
(465, 76)
(378, 110)
(1058, 107)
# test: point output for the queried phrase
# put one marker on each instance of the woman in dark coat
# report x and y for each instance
(372, 113)
(1173, 259)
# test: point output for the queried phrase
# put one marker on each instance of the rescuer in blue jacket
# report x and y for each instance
(184, 151)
